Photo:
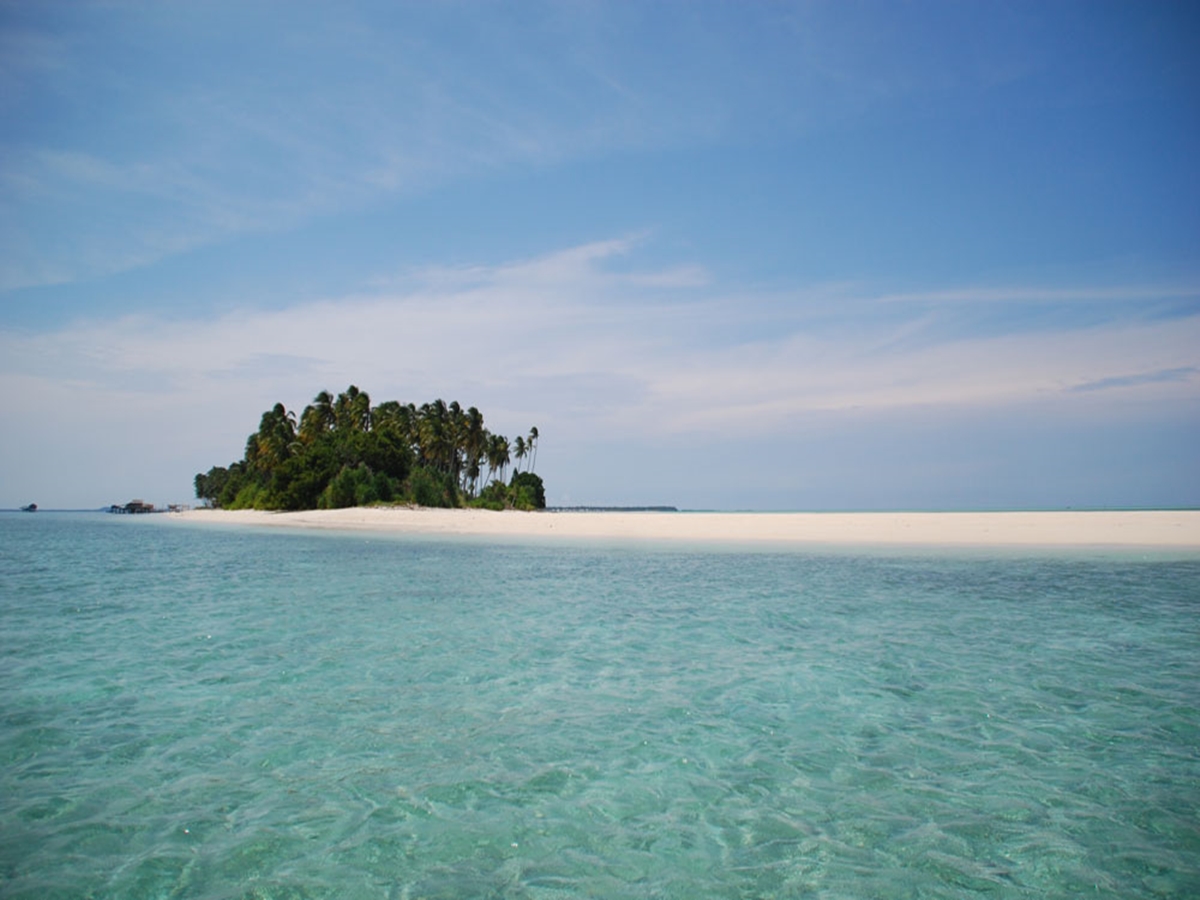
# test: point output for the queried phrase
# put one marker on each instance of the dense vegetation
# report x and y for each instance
(345, 452)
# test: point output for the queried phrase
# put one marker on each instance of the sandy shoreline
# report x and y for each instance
(1149, 528)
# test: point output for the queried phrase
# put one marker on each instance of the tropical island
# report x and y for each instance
(345, 452)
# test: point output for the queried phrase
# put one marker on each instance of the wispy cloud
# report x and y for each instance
(1178, 375)
(641, 349)
(216, 150)
(590, 344)
(887, 213)
(1027, 294)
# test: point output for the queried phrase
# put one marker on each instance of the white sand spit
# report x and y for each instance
(1145, 528)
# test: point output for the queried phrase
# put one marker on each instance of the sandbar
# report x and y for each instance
(1172, 529)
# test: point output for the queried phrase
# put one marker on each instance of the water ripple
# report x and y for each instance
(206, 714)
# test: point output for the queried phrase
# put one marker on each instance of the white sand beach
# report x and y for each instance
(1148, 528)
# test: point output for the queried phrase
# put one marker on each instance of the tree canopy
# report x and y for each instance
(342, 451)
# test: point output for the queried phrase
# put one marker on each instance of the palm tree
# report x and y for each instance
(352, 410)
(491, 456)
(519, 450)
(475, 445)
(318, 417)
(457, 421)
(531, 446)
(407, 424)
(388, 416)
(433, 435)
(497, 454)
(274, 441)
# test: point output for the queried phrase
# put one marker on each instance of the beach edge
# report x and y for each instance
(1175, 529)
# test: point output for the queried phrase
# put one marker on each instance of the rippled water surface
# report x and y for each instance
(192, 712)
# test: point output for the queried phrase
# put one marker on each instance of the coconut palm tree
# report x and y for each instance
(457, 433)
(531, 446)
(519, 451)
(317, 418)
(407, 420)
(497, 454)
(433, 434)
(274, 441)
(388, 416)
(352, 410)
(474, 445)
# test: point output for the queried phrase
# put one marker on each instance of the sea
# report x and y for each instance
(195, 711)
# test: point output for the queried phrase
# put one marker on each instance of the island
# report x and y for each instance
(344, 452)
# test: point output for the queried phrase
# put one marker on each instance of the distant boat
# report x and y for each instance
(32, 507)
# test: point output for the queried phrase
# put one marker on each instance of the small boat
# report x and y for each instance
(32, 507)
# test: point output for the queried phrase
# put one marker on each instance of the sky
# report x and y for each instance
(786, 255)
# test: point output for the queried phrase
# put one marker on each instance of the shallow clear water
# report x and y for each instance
(202, 713)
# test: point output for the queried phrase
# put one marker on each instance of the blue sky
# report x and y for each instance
(769, 256)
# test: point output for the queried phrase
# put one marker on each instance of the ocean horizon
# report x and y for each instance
(222, 712)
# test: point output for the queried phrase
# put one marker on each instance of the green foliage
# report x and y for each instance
(527, 491)
(299, 482)
(344, 452)
(524, 491)
(355, 486)
(383, 488)
(482, 502)
(228, 494)
(339, 492)
(210, 485)
(494, 496)
(249, 496)
(428, 487)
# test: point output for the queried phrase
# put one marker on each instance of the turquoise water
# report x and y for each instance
(194, 712)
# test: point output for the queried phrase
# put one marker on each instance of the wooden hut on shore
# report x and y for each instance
(133, 507)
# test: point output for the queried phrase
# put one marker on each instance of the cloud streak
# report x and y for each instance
(1181, 374)
(648, 351)
(852, 215)
(226, 119)
(593, 345)
(215, 151)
